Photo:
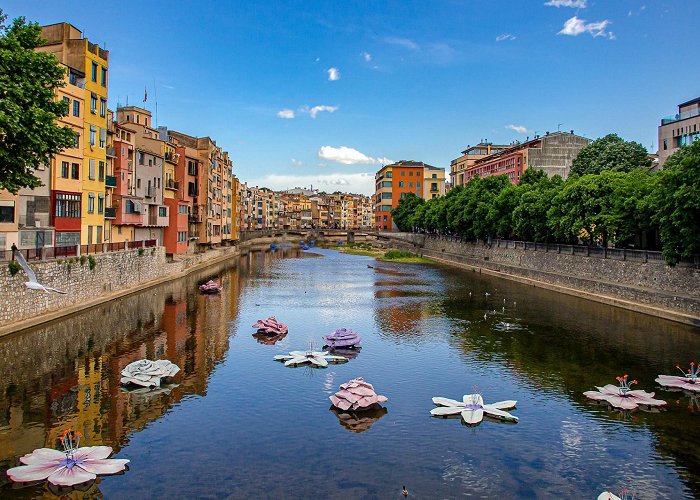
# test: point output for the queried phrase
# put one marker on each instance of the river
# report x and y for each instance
(238, 424)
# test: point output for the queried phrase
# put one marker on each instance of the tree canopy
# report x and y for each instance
(30, 135)
(610, 153)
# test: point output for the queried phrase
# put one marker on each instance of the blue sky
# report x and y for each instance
(368, 82)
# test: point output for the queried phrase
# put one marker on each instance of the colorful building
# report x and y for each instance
(458, 166)
(681, 129)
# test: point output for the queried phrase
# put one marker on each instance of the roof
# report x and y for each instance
(687, 103)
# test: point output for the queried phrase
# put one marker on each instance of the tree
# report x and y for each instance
(610, 153)
(401, 214)
(677, 204)
(29, 133)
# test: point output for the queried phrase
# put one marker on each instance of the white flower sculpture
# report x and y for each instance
(148, 373)
(69, 467)
(314, 358)
(688, 381)
(472, 409)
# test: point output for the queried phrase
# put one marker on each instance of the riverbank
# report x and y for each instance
(647, 287)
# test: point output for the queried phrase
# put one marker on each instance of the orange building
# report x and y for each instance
(395, 181)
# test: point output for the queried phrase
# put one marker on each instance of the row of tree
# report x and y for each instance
(611, 197)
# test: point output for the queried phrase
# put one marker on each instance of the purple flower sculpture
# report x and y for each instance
(271, 326)
(623, 396)
(356, 395)
(688, 381)
(69, 467)
(343, 338)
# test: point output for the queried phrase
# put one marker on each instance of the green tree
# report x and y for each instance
(610, 153)
(676, 201)
(530, 220)
(401, 214)
(28, 105)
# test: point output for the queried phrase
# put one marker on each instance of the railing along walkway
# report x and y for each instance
(47, 253)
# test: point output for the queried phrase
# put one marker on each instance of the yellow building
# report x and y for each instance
(66, 42)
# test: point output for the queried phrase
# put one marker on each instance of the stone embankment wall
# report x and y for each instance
(651, 287)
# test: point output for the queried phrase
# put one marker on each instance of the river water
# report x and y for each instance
(238, 424)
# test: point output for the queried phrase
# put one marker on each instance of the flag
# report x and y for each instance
(145, 94)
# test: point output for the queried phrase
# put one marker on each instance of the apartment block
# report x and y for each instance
(460, 165)
(679, 130)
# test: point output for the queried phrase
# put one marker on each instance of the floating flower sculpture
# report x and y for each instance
(148, 373)
(71, 466)
(344, 338)
(623, 396)
(271, 326)
(356, 395)
(689, 381)
(210, 287)
(473, 409)
(314, 358)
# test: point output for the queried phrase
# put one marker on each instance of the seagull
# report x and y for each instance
(484, 315)
(32, 284)
(404, 491)
(487, 294)
(470, 294)
(504, 301)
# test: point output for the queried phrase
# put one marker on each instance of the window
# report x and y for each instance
(67, 239)
(93, 132)
(93, 103)
(182, 209)
(403, 174)
(64, 169)
(401, 184)
(103, 107)
(98, 232)
(103, 137)
(385, 219)
(665, 144)
(388, 175)
(67, 205)
(101, 171)
(76, 140)
(403, 195)
(417, 185)
(91, 203)
(434, 176)
(91, 170)
(100, 204)
(410, 173)
(103, 77)
(7, 211)
(386, 184)
(140, 157)
(386, 196)
(410, 184)
(162, 212)
(76, 108)
(94, 71)
(89, 235)
(433, 186)
(138, 183)
(75, 171)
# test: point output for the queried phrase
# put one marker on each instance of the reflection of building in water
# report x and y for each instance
(67, 374)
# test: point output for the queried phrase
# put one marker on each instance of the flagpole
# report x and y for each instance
(155, 95)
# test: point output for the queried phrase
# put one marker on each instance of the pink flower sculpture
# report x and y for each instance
(356, 395)
(689, 381)
(69, 467)
(343, 338)
(270, 326)
(623, 396)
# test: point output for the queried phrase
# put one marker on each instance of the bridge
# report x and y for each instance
(347, 235)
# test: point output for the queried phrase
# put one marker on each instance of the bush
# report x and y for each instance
(83, 259)
(13, 267)
(141, 251)
(92, 262)
(398, 254)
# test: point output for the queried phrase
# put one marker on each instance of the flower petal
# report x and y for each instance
(598, 396)
(442, 411)
(70, 477)
(108, 466)
(92, 452)
(503, 405)
(295, 361)
(318, 361)
(473, 399)
(472, 417)
(43, 456)
(610, 389)
(34, 472)
(499, 414)
(447, 402)
(623, 403)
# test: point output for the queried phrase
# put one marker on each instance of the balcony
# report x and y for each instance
(110, 213)
(681, 116)
(110, 181)
(150, 192)
(156, 220)
(195, 215)
(111, 152)
(130, 165)
(171, 184)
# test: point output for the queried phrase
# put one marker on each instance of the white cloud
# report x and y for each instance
(297, 163)
(286, 113)
(366, 56)
(333, 74)
(505, 37)
(402, 42)
(521, 129)
(578, 4)
(358, 183)
(576, 26)
(317, 109)
(349, 156)
(318, 59)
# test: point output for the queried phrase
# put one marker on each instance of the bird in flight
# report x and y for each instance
(32, 284)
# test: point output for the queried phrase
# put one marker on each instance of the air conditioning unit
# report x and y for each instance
(37, 223)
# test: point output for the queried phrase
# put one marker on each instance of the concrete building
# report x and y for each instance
(681, 129)
(395, 181)
(552, 153)
(458, 166)
(89, 63)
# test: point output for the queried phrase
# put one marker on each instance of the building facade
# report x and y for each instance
(460, 165)
(681, 129)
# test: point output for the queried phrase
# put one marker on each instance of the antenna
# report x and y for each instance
(559, 127)
(155, 95)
